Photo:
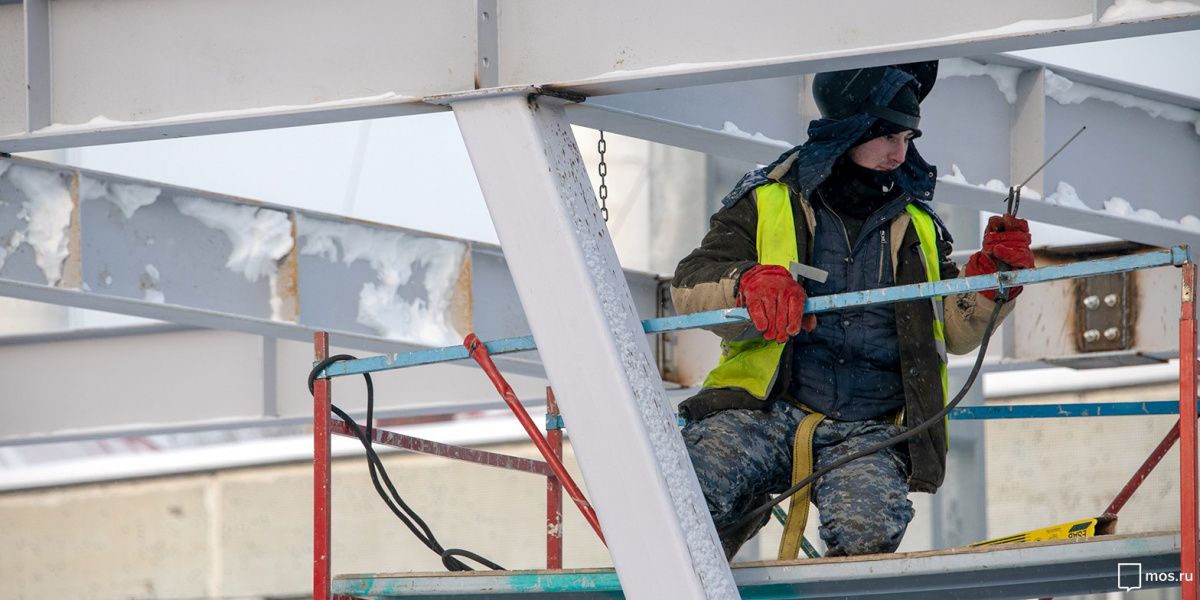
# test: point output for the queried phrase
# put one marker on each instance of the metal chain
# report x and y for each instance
(601, 147)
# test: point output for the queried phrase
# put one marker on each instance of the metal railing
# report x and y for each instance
(1186, 430)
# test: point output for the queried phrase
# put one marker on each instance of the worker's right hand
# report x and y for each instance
(775, 302)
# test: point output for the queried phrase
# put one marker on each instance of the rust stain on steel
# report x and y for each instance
(462, 317)
(471, 455)
(72, 273)
(288, 282)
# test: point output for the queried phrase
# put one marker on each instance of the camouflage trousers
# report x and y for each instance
(740, 456)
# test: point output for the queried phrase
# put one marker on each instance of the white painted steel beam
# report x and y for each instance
(37, 64)
(277, 117)
(623, 47)
(106, 87)
(638, 473)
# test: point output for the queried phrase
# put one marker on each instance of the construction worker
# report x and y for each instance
(853, 201)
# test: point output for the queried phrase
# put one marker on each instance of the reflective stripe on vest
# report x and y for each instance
(753, 365)
(927, 235)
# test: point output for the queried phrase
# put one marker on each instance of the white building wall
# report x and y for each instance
(247, 533)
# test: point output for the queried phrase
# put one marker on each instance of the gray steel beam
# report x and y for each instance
(970, 122)
(105, 242)
(1104, 223)
(675, 133)
(270, 84)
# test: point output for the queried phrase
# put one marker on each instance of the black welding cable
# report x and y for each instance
(395, 502)
(425, 534)
(758, 512)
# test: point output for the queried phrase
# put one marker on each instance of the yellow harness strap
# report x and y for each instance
(802, 466)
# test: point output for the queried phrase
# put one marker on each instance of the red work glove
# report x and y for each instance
(1005, 240)
(775, 302)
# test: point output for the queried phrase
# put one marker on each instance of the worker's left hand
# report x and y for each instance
(1006, 242)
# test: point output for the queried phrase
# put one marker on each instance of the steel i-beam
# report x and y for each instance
(594, 349)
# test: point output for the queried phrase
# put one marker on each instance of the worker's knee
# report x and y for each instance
(856, 534)
(864, 506)
(735, 460)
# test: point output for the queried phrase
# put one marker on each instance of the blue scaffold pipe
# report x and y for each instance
(1175, 256)
(1026, 411)
(1048, 411)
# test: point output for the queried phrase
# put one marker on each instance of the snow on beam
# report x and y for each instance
(101, 130)
(1117, 219)
(105, 242)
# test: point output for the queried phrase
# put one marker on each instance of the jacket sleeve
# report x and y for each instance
(967, 314)
(706, 279)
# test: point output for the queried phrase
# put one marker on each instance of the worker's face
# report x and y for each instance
(884, 153)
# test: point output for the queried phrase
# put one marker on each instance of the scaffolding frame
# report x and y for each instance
(325, 427)
(1187, 430)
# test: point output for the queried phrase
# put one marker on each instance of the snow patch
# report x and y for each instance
(150, 283)
(732, 129)
(995, 185)
(1122, 208)
(4, 164)
(1129, 10)
(394, 256)
(103, 122)
(47, 212)
(955, 176)
(1065, 195)
(130, 196)
(1065, 91)
(1004, 76)
(1024, 26)
(260, 238)
(91, 189)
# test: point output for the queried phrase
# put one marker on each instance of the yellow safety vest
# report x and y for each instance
(753, 365)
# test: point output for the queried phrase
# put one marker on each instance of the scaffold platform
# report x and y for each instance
(1037, 569)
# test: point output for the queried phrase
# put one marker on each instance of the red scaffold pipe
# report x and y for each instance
(480, 354)
(1189, 503)
(1144, 471)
